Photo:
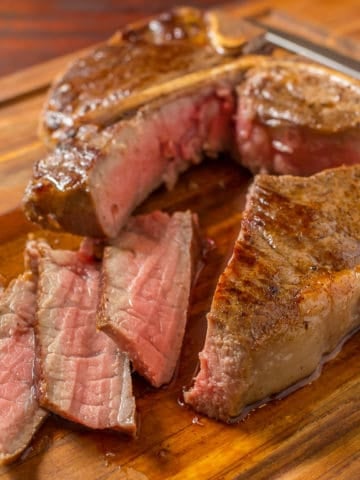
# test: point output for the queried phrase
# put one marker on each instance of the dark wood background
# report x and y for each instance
(33, 31)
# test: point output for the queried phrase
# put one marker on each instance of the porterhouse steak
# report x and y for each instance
(289, 294)
(123, 135)
(169, 52)
(285, 123)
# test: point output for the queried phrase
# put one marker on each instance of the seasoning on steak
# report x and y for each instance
(20, 414)
(297, 118)
(146, 279)
(82, 375)
(288, 296)
(91, 185)
(147, 60)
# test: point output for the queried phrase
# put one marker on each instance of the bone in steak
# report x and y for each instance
(82, 375)
(292, 117)
(161, 55)
(110, 158)
(20, 414)
(289, 294)
(298, 118)
(146, 279)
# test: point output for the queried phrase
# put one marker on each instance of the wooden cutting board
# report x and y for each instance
(312, 434)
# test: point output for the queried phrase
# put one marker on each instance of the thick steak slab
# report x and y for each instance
(289, 294)
(292, 117)
(146, 279)
(297, 118)
(91, 185)
(20, 414)
(82, 375)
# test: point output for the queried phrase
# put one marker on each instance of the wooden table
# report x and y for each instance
(33, 31)
(312, 434)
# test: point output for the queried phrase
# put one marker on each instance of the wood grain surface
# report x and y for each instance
(313, 433)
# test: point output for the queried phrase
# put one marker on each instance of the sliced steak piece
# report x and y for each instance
(82, 375)
(91, 185)
(20, 414)
(146, 279)
(298, 118)
(288, 296)
(147, 60)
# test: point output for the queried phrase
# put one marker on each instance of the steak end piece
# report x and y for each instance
(91, 185)
(82, 375)
(20, 414)
(297, 118)
(288, 296)
(146, 280)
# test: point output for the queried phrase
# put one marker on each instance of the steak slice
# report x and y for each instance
(288, 296)
(82, 374)
(144, 61)
(298, 118)
(146, 279)
(20, 414)
(91, 185)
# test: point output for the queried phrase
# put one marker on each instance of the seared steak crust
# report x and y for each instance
(292, 117)
(132, 60)
(92, 184)
(59, 190)
(291, 92)
(135, 66)
(289, 294)
(298, 118)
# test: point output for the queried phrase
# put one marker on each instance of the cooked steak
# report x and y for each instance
(111, 155)
(289, 294)
(20, 414)
(82, 375)
(292, 117)
(146, 279)
(298, 118)
(91, 185)
(158, 56)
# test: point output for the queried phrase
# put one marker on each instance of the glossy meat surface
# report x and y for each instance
(136, 64)
(145, 286)
(297, 118)
(292, 117)
(289, 294)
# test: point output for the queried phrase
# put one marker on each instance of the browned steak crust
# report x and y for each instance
(133, 66)
(289, 294)
(297, 118)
